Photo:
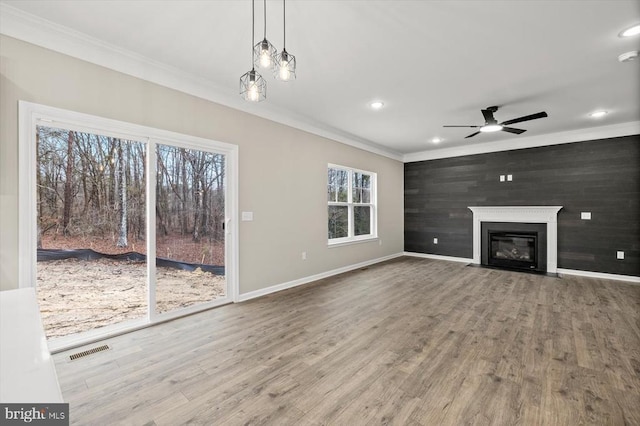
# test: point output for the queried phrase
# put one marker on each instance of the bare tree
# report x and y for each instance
(68, 185)
(122, 210)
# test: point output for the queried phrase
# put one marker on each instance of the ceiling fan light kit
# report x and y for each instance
(490, 128)
(253, 87)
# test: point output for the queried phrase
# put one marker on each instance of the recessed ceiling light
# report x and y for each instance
(376, 104)
(436, 140)
(631, 31)
(598, 114)
(628, 56)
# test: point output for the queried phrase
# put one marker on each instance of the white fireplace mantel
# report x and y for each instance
(523, 214)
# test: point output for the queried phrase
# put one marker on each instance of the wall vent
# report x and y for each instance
(88, 352)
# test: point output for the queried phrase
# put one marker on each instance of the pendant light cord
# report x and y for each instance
(284, 24)
(265, 19)
(253, 29)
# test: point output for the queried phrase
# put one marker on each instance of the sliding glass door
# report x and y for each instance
(127, 230)
(190, 243)
(91, 220)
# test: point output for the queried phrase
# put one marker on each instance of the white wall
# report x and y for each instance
(282, 174)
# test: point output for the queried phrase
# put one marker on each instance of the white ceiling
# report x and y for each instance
(431, 62)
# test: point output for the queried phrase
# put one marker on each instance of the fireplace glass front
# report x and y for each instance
(513, 250)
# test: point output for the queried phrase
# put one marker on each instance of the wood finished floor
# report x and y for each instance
(407, 342)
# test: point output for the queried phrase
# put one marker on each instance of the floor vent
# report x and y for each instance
(89, 352)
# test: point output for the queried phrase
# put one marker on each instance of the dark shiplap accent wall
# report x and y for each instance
(601, 177)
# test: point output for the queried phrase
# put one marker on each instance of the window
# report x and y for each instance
(351, 196)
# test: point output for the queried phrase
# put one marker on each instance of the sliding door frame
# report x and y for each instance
(32, 115)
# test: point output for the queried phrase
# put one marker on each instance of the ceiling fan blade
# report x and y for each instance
(472, 135)
(525, 118)
(462, 126)
(488, 115)
(512, 130)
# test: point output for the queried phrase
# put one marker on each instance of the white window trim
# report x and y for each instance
(29, 117)
(355, 239)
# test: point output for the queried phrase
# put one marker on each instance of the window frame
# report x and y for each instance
(351, 238)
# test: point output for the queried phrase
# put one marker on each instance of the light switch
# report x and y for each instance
(435, 241)
(501, 178)
(247, 216)
(620, 255)
(509, 178)
(585, 215)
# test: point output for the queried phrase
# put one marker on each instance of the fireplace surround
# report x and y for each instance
(517, 217)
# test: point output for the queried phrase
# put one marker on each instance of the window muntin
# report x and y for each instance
(351, 204)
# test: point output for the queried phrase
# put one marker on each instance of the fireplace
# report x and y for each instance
(511, 250)
(529, 233)
(514, 245)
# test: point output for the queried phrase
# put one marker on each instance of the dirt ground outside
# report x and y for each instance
(80, 295)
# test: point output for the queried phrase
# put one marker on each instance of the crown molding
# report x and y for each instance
(581, 135)
(41, 32)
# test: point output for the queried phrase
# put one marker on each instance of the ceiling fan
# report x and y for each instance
(492, 125)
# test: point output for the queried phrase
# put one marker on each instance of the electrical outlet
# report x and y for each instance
(620, 255)
(435, 241)
(509, 178)
(585, 215)
(501, 178)
(304, 255)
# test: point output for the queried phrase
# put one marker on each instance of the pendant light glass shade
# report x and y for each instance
(253, 87)
(285, 69)
(265, 55)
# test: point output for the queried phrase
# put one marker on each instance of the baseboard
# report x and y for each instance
(601, 275)
(279, 287)
(439, 257)
(577, 272)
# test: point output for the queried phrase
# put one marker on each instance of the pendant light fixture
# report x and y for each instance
(253, 87)
(264, 50)
(285, 69)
